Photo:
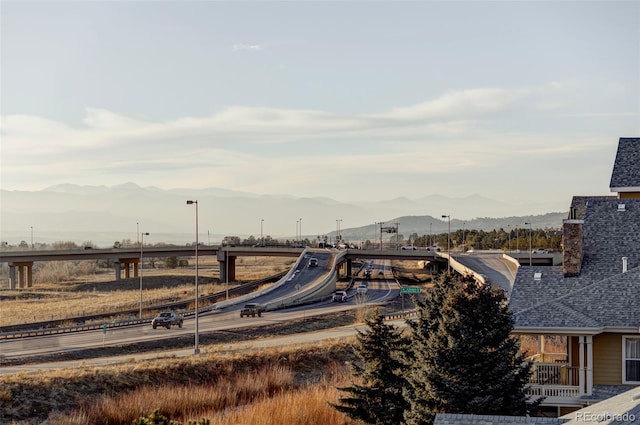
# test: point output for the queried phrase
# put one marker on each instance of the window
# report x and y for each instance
(631, 360)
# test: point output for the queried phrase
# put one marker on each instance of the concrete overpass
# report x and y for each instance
(128, 259)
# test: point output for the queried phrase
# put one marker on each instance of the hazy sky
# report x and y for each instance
(512, 100)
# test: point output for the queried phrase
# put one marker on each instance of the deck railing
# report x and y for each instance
(549, 391)
(554, 374)
(549, 358)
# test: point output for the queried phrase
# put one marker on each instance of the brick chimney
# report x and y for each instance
(572, 233)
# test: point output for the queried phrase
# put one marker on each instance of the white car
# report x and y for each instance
(408, 248)
(339, 296)
(362, 289)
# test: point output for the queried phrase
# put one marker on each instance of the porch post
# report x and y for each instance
(589, 365)
(581, 370)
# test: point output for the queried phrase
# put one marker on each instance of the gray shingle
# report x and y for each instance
(460, 419)
(601, 296)
(626, 172)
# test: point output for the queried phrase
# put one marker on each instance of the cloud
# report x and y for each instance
(459, 135)
(463, 103)
(242, 47)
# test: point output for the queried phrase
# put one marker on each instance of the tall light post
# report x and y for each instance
(301, 243)
(196, 343)
(430, 237)
(397, 233)
(381, 223)
(509, 227)
(226, 271)
(530, 236)
(31, 238)
(464, 242)
(448, 242)
(261, 233)
(141, 267)
(338, 238)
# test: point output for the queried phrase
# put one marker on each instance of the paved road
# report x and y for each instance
(499, 271)
(227, 319)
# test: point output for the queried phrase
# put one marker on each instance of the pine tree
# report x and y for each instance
(464, 359)
(379, 400)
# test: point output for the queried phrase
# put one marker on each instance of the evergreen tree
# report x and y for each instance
(463, 357)
(380, 399)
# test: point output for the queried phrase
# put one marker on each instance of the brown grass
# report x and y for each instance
(263, 397)
(208, 385)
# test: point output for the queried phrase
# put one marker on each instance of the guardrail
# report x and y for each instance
(40, 329)
(93, 326)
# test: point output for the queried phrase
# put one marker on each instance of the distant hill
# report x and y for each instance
(120, 211)
(423, 225)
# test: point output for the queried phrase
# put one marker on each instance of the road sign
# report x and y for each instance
(410, 290)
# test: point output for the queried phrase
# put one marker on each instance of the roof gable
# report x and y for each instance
(626, 167)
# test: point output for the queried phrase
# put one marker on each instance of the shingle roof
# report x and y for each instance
(618, 410)
(601, 296)
(626, 172)
(461, 419)
(622, 409)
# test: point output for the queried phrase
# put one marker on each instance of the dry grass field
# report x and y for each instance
(272, 386)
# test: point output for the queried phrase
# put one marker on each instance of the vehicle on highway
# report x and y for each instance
(367, 274)
(362, 289)
(408, 248)
(313, 262)
(540, 251)
(167, 319)
(252, 309)
(434, 248)
(339, 297)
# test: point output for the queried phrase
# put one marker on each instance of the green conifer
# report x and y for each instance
(380, 399)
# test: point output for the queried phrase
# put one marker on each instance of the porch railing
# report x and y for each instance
(554, 374)
(549, 391)
(549, 358)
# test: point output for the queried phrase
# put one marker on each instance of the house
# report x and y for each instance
(583, 317)
(618, 410)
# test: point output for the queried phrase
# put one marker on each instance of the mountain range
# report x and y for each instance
(103, 214)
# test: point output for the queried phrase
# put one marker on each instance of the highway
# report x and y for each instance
(226, 317)
(498, 270)
(223, 319)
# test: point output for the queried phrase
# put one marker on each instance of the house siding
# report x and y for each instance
(607, 359)
(629, 195)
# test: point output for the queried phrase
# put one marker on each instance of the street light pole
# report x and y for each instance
(31, 238)
(226, 271)
(141, 267)
(301, 243)
(196, 342)
(530, 236)
(261, 234)
(448, 242)
(464, 223)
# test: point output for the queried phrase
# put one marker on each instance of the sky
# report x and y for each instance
(512, 100)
